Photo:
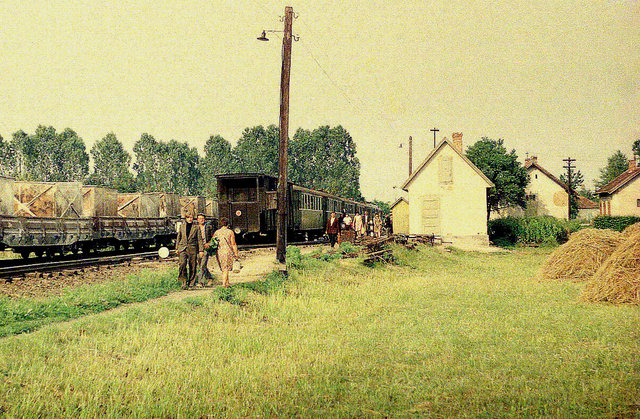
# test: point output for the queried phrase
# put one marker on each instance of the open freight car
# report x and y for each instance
(49, 218)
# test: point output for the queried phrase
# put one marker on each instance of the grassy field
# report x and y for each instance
(440, 335)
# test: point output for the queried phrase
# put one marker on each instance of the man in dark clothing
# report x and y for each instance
(333, 228)
(206, 229)
(189, 243)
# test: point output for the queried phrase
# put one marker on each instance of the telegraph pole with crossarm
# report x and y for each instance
(569, 161)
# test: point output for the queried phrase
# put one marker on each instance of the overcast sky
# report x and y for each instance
(552, 78)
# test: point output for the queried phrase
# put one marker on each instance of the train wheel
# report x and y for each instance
(39, 253)
(25, 254)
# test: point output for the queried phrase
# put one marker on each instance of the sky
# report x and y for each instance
(554, 79)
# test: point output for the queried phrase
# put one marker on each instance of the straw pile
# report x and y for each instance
(582, 255)
(618, 279)
(630, 230)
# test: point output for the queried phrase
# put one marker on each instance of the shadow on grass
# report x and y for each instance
(271, 284)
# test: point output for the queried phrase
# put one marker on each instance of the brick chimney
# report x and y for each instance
(530, 160)
(632, 164)
(457, 140)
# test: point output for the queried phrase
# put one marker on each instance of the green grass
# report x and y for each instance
(25, 314)
(439, 335)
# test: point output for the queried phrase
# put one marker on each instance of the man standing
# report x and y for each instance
(189, 243)
(206, 230)
(333, 228)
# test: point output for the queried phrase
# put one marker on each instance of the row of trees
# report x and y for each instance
(323, 158)
(510, 177)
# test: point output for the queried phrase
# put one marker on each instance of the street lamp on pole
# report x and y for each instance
(285, 77)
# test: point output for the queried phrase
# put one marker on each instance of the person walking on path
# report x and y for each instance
(357, 224)
(227, 250)
(204, 275)
(333, 228)
(365, 223)
(377, 225)
(189, 243)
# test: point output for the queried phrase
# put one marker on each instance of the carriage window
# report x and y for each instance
(242, 194)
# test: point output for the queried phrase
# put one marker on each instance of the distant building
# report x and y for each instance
(400, 212)
(621, 196)
(547, 195)
(448, 194)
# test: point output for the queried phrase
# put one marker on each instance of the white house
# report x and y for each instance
(548, 195)
(621, 196)
(448, 194)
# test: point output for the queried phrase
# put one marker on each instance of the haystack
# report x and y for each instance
(618, 279)
(582, 255)
(630, 230)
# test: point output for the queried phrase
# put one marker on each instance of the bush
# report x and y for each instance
(537, 230)
(618, 223)
(294, 257)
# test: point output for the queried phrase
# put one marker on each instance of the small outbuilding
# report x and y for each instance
(400, 214)
(621, 196)
(448, 194)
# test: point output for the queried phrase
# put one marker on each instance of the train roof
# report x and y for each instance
(298, 187)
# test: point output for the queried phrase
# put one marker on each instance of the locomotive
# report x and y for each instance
(249, 202)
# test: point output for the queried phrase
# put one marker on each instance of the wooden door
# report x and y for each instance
(431, 214)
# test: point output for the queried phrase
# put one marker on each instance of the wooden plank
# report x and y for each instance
(47, 199)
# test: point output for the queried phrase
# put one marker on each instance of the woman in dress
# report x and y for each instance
(227, 250)
(377, 225)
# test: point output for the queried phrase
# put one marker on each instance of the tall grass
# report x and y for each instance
(26, 314)
(531, 230)
(441, 335)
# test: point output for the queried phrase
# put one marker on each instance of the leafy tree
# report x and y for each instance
(218, 159)
(325, 159)
(385, 207)
(147, 164)
(503, 169)
(257, 150)
(111, 165)
(617, 164)
(8, 159)
(577, 179)
(170, 167)
(51, 156)
(184, 163)
(636, 147)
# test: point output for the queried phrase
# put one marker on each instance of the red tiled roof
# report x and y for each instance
(586, 203)
(619, 182)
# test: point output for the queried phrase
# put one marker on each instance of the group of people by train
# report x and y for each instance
(361, 225)
(195, 242)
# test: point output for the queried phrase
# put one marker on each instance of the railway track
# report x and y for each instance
(52, 266)
(22, 267)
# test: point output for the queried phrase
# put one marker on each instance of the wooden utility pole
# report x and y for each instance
(283, 186)
(569, 160)
(410, 154)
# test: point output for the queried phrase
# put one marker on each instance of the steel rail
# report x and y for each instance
(51, 266)
(71, 264)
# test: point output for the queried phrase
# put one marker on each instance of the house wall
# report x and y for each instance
(588, 214)
(625, 200)
(448, 198)
(401, 218)
(551, 198)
